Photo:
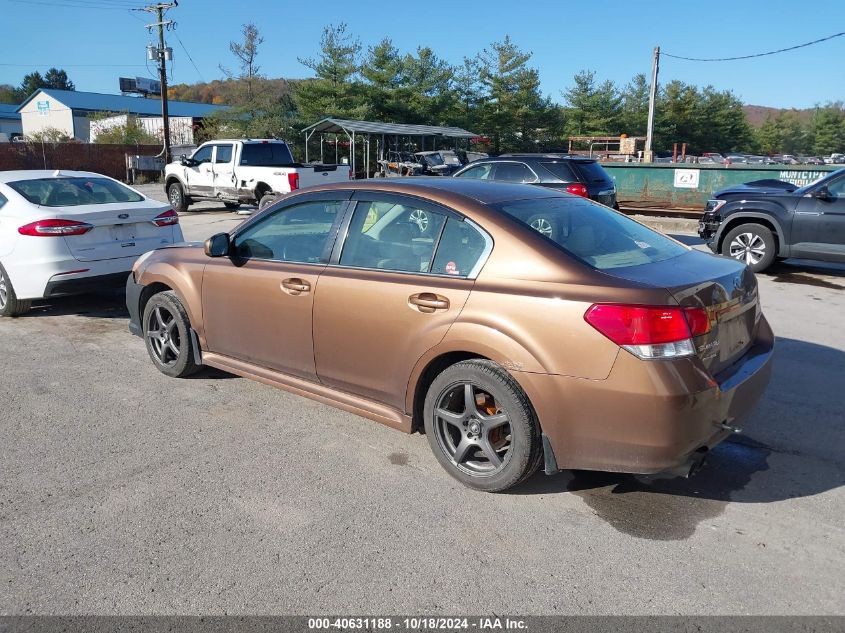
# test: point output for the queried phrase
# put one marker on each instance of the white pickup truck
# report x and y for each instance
(235, 172)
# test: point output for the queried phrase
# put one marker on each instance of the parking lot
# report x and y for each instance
(126, 492)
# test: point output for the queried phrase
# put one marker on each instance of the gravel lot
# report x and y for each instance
(125, 492)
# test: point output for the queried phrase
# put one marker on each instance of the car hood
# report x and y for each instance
(759, 188)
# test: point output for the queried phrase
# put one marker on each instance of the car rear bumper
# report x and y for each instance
(52, 277)
(648, 416)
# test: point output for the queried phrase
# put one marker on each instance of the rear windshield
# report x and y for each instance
(592, 171)
(592, 233)
(74, 192)
(266, 155)
(561, 170)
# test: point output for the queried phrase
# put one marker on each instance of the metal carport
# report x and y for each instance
(381, 131)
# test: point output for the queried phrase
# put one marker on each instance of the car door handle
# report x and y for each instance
(295, 285)
(428, 302)
(808, 213)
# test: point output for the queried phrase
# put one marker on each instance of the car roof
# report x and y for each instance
(35, 174)
(550, 156)
(483, 191)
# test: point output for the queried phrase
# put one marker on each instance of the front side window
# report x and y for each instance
(294, 234)
(224, 154)
(388, 236)
(594, 234)
(73, 192)
(203, 154)
(514, 172)
(837, 188)
(3, 200)
(480, 172)
(459, 249)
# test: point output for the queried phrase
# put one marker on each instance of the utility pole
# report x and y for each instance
(652, 97)
(162, 55)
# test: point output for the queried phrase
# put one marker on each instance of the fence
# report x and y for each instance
(103, 159)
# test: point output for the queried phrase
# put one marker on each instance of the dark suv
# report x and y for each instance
(759, 222)
(573, 174)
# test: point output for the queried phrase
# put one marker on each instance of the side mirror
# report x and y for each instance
(186, 161)
(822, 193)
(217, 245)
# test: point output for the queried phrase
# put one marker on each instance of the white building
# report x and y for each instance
(69, 111)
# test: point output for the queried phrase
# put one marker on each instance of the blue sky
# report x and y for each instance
(612, 37)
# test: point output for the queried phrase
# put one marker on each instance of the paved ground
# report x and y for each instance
(123, 491)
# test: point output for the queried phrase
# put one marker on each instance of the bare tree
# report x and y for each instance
(246, 52)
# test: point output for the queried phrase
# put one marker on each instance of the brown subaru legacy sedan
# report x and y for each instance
(432, 305)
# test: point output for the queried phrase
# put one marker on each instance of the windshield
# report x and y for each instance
(592, 233)
(74, 192)
(266, 155)
(432, 159)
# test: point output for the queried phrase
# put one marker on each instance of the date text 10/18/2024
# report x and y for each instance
(417, 623)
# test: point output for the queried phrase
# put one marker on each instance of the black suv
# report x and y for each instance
(759, 222)
(574, 174)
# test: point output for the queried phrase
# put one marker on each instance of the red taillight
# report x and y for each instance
(351, 177)
(650, 332)
(577, 189)
(639, 325)
(168, 218)
(699, 321)
(293, 181)
(55, 228)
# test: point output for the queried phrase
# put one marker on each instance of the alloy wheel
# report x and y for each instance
(748, 247)
(542, 225)
(472, 429)
(420, 218)
(163, 335)
(175, 196)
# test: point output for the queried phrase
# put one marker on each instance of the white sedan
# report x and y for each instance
(68, 232)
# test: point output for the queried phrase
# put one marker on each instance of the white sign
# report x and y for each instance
(687, 178)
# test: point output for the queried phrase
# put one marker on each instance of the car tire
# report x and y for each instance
(176, 195)
(232, 206)
(463, 438)
(10, 305)
(543, 224)
(167, 335)
(266, 200)
(752, 244)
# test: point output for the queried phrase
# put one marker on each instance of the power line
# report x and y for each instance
(184, 48)
(63, 65)
(780, 50)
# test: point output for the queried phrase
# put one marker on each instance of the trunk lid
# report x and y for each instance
(722, 286)
(120, 230)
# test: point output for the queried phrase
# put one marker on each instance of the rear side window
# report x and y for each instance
(388, 236)
(591, 171)
(513, 172)
(3, 200)
(74, 192)
(561, 170)
(224, 154)
(266, 155)
(594, 234)
(459, 250)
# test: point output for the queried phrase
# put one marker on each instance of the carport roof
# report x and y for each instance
(340, 126)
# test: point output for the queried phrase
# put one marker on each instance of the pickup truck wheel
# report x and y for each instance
(266, 200)
(10, 305)
(177, 198)
(752, 244)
